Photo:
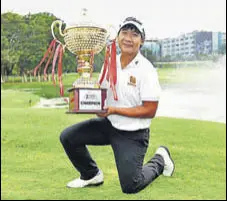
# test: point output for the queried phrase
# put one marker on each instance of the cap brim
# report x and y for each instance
(137, 25)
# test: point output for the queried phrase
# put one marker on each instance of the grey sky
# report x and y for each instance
(161, 18)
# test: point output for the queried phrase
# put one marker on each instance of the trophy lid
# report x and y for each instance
(85, 22)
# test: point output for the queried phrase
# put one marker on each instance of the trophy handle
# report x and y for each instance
(111, 36)
(52, 29)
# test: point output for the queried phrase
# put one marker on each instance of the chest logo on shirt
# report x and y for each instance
(132, 81)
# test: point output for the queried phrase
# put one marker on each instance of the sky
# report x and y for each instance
(161, 18)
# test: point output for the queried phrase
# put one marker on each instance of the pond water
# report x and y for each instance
(203, 97)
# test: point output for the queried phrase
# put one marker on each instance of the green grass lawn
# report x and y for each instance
(49, 90)
(44, 89)
(34, 165)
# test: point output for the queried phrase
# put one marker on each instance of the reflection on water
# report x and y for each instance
(203, 97)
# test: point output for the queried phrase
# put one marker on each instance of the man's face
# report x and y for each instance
(129, 40)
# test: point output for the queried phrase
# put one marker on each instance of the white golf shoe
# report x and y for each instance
(168, 162)
(80, 183)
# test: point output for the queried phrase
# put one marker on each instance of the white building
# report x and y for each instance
(189, 45)
(182, 46)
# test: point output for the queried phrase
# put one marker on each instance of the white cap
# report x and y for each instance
(136, 23)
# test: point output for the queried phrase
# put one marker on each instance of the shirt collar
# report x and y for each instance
(133, 63)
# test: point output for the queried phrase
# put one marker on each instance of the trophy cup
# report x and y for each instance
(84, 40)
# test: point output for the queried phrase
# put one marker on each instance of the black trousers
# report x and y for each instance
(129, 149)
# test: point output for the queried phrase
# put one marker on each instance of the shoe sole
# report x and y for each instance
(98, 184)
(89, 185)
(170, 158)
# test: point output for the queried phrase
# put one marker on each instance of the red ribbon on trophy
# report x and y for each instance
(56, 54)
(110, 67)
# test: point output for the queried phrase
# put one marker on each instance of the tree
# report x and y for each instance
(25, 40)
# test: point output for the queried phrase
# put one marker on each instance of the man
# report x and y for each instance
(125, 125)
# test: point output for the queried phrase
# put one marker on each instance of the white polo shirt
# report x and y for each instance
(137, 82)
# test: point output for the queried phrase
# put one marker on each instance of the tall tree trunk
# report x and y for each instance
(2, 81)
(25, 77)
(30, 77)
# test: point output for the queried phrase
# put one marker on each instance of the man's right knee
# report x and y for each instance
(130, 189)
(130, 183)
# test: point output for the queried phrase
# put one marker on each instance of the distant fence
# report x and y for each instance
(70, 77)
(182, 64)
(26, 78)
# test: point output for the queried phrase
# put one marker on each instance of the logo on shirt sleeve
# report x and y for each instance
(132, 81)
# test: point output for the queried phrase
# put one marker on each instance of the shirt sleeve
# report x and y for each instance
(150, 88)
(104, 83)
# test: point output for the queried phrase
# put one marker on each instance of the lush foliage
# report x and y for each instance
(25, 39)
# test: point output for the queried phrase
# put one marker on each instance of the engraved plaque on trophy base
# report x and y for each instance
(86, 100)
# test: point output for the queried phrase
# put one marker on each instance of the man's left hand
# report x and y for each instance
(108, 111)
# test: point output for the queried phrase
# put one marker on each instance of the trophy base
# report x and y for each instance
(86, 100)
